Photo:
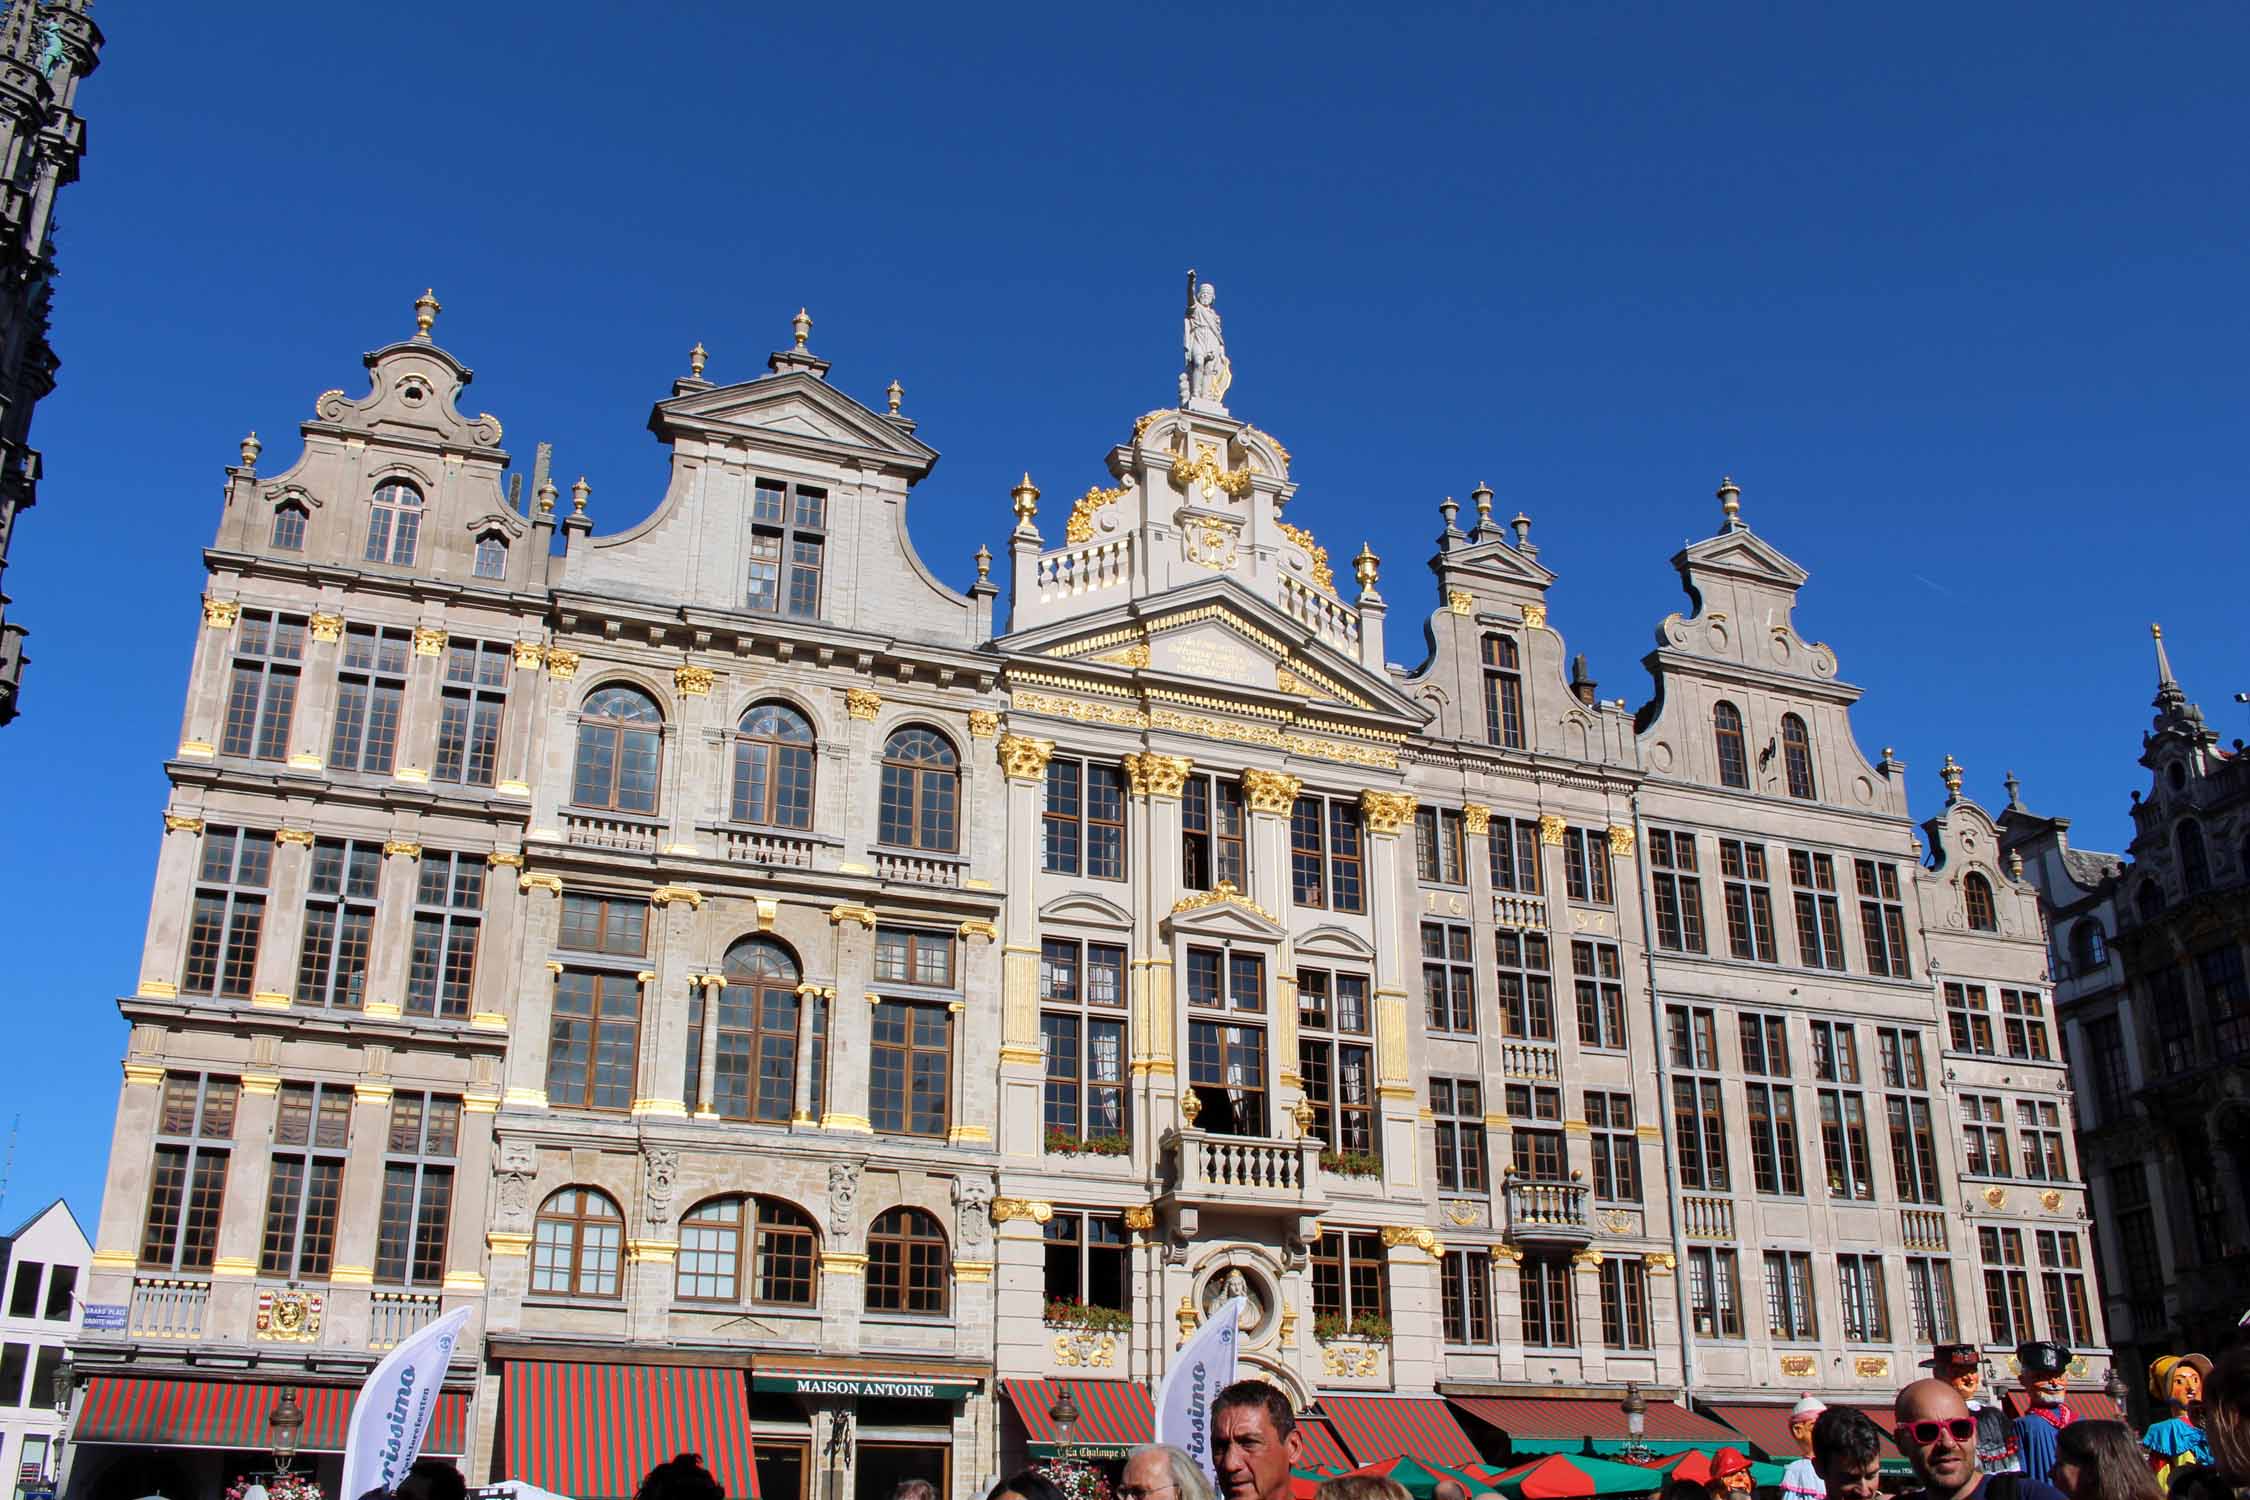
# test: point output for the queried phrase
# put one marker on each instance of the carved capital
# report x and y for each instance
(863, 703)
(1029, 1209)
(429, 641)
(1387, 812)
(844, 912)
(551, 884)
(562, 664)
(983, 723)
(302, 837)
(326, 628)
(977, 927)
(694, 682)
(1024, 758)
(1152, 775)
(1535, 616)
(665, 895)
(1420, 1236)
(1476, 818)
(504, 859)
(220, 614)
(530, 654)
(1141, 1218)
(1620, 840)
(1460, 601)
(176, 824)
(406, 847)
(1551, 829)
(1271, 791)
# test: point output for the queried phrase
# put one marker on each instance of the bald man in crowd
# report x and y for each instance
(1935, 1429)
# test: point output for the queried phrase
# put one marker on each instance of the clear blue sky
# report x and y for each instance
(1957, 294)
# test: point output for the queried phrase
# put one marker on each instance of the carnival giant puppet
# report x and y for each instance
(1957, 1365)
(2175, 1382)
(2043, 1368)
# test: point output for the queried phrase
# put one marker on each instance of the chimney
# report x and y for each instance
(1581, 683)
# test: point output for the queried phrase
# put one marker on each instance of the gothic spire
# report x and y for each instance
(2170, 699)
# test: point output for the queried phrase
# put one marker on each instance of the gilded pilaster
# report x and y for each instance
(395, 886)
(288, 877)
(1387, 814)
(177, 859)
(1024, 760)
(313, 720)
(492, 1004)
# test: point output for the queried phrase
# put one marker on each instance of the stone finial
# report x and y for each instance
(1026, 497)
(1366, 565)
(1730, 502)
(251, 448)
(578, 494)
(1950, 774)
(426, 309)
(984, 563)
(2015, 790)
(1450, 508)
(2015, 864)
(895, 394)
(546, 497)
(695, 359)
(801, 325)
(1522, 527)
(1481, 497)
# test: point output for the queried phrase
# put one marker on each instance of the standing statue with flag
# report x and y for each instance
(392, 1415)
(1204, 1368)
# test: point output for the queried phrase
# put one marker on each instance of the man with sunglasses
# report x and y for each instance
(1937, 1432)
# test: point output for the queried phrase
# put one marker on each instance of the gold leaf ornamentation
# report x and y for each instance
(1224, 895)
(863, 703)
(1387, 812)
(1322, 574)
(1271, 791)
(1079, 529)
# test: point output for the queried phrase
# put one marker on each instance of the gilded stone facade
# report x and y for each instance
(861, 985)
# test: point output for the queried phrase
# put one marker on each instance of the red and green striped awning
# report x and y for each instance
(1322, 1451)
(593, 1431)
(1113, 1415)
(1574, 1424)
(1379, 1427)
(232, 1414)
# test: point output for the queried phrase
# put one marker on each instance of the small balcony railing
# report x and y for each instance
(394, 1316)
(1530, 1060)
(1549, 1211)
(1706, 1218)
(1518, 911)
(168, 1307)
(918, 869)
(591, 830)
(1243, 1171)
(766, 846)
(1922, 1228)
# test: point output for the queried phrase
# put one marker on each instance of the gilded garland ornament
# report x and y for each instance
(1079, 529)
(1204, 471)
(1322, 574)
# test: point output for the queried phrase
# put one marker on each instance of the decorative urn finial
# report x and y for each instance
(426, 309)
(895, 393)
(1026, 497)
(802, 325)
(578, 494)
(1482, 497)
(546, 497)
(984, 563)
(1365, 566)
(1730, 502)
(1950, 774)
(251, 448)
(695, 359)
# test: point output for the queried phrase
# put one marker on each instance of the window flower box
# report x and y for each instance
(1351, 1163)
(1065, 1314)
(1367, 1328)
(1063, 1143)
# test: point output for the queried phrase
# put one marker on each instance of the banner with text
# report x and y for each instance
(1203, 1369)
(392, 1414)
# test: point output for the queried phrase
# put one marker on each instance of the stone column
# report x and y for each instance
(315, 715)
(1024, 760)
(554, 720)
(850, 1035)
(395, 889)
(663, 1063)
(285, 919)
(526, 1076)
(707, 1056)
(117, 1235)
(519, 721)
(1552, 868)
(843, 1260)
(472, 1197)
(690, 779)
(178, 859)
(977, 1039)
(492, 999)
(859, 792)
(201, 723)
(1155, 781)
(242, 1213)
(1386, 814)
(363, 1185)
(1272, 797)
(417, 746)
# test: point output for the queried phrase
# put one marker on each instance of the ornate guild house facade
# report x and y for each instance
(771, 986)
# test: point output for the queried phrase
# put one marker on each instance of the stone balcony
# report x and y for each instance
(1548, 1212)
(1200, 1169)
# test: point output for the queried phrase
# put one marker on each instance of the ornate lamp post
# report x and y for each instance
(1064, 1414)
(1635, 1407)
(284, 1425)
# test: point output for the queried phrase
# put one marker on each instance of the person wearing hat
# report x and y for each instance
(1958, 1366)
(2043, 1369)
(1730, 1474)
(1801, 1479)
(2176, 1383)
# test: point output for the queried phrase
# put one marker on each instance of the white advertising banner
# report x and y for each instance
(392, 1415)
(1202, 1369)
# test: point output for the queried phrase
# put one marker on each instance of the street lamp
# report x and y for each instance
(1635, 1407)
(283, 1426)
(2114, 1387)
(1064, 1414)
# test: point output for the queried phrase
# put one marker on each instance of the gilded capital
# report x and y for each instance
(694, 682)
(1460, 601)
(429, 641)
(983, 723)
(844, 912)
(529, 654)
(1024, 758)
(301, 837)
(1535, 616)
(220, 614)
(977, 927)
(1141, 1218)
(1387, 812)
(1420, 1236)
(551, 884)
(665, 895)
(1031, 1209)
(1476, 818)
(561, 663)
(1620, 839)
(1151, 775)
(863, 703)
(507, 858)
(1271, 791)
(406, 847)
(325, 627)
(173, 823)
(1551, 829)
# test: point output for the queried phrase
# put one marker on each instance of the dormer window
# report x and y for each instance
(289, 527)
(788, 548)
(1976, 902)
(394, 524)
(492, 556)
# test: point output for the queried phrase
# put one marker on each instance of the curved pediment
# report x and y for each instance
(1334, 942)
(1086, 910)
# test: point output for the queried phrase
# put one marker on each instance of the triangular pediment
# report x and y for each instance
(1744, 554)
(791, 409)
(1223, 914)
(1498, 562)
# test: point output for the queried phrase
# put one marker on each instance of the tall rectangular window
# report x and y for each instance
(1212, 847)
(1503, 692)
(1458, 1104)
(339, 923)
(913, 955)
(594, 1040)
(1914, 1158)
(1698, 1120)
(187, 1183)
(1714, 1292)
(1968, 1019)
(1449, 978)
(2226, 992)
(1082, 1038)
(1465, 1296)
(370, 692)
(1820, 922)
(1624, 1302)
(1086, 1261)
(788, 547)
(1749, 899)
(1882, 917)
(2023, 1021)
(1601, 993)
(1866, 1305)
(1843, 1112)
(1677, 891)
(471, 706)
(1790, 1310)
(2039, 1124)
(262, 692)
(1984, 1134)
(2007, 1284)
(311, 1133)
(1617, 1149)
(2113, 1082)
(1586, 866)
(1227, 1070)
(1929, 1300)
(1535, 1136)
(448, 917)
(419, 1156)
(910, 1068)
(1526, 989)
(2176, 1047)
(604, 924)
(1083, 828)
(1547, 1301)
(2134, 1216)
(1336, 1059)
(1511, 847)
(1350, 1275)
(229, 915)
(1326, 867)
(1439, 851)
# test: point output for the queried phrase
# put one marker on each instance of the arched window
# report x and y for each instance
(1726, 728)
(289, 527)
(620, 740)
(577, 1245)
(1976, 900)
(492, 555)
(1796, 756)
(2149, 901)
(2089, 950)
(2195, 863)
(908, 1269)
(394, 523)
(1503, 692)
(921, 792)
(784, 1252)
(754, 1071)
(773, 768)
